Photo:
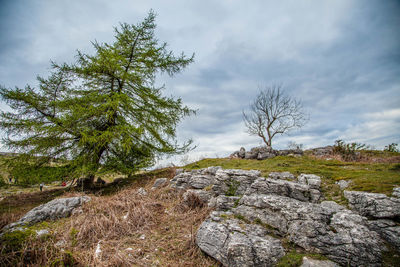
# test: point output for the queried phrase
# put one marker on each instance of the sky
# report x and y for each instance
(341, 58)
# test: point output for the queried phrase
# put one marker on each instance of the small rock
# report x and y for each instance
(396, 192)
(343, 184)
(160, 182)
(308, 262)
(42, 232)
(142, 237)
(141, 191)
(97, 252)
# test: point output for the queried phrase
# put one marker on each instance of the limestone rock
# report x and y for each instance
(396, 192)
(223, 202)
(294, 190)
(281, 175)
(340, 234)
(373, 205)
(388, 230)
(343, 184)
(203, 195)
(160, 182)
(141, 191)
(55, 209)
(308, 262)
(312, 180)
(234, 243)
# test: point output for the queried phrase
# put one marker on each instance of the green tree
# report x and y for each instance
(104, 112)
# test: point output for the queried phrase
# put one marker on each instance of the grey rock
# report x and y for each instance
(179, 171)
(203, 195)
(42, 232)
(396, 192)
(311, 180)
(55, 209)
(235, 243)
(265, 155)
(223, 202)
(388, 230)
(281, 175)
(160, 182)
(373, 205)
(141, 191)
(343, 184)
(341, 235)
(294, 190)
(242, 152)
(308, 262)
(250, 155)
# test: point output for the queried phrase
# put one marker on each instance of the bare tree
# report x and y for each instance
(272, 113)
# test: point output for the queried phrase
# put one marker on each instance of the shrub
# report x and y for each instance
(392, 147)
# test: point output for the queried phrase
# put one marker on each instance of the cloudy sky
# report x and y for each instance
(341, 58)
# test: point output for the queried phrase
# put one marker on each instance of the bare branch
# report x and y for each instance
(272, 113)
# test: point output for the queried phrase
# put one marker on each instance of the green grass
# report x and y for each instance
(370, 177)
(295, 259)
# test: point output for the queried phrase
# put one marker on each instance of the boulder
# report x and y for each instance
(388, 230)
(242, 152)
(295, 190)
(203, 195)
(55, 209)
(373, 205)
(160, 182)
(235, 243)
(338, 233)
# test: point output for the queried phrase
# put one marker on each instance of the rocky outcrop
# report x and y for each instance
(264, 152)
(55, 209)
(329, 229)
(373, 205)
(235, 243)
(282, 206)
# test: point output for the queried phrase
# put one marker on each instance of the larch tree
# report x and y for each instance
(102, 112)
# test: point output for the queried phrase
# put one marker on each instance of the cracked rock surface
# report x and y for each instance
(55, 209)
(235, 243)
(253, 213)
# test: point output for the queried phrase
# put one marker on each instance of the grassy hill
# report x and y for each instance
(157, 229)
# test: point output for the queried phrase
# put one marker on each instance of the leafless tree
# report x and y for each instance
(272, 113)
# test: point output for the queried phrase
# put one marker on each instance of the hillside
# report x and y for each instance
(159, 228)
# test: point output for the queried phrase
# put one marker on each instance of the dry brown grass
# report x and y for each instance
(131, 230)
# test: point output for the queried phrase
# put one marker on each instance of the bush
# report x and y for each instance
(349, 152)
(392, 147)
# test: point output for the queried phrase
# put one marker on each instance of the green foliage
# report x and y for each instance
(13, 241)
(27, 174)
(232, 187)
(392, 147)
(348, 151)
(104, 111)
(295, 259)
(73, 234)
